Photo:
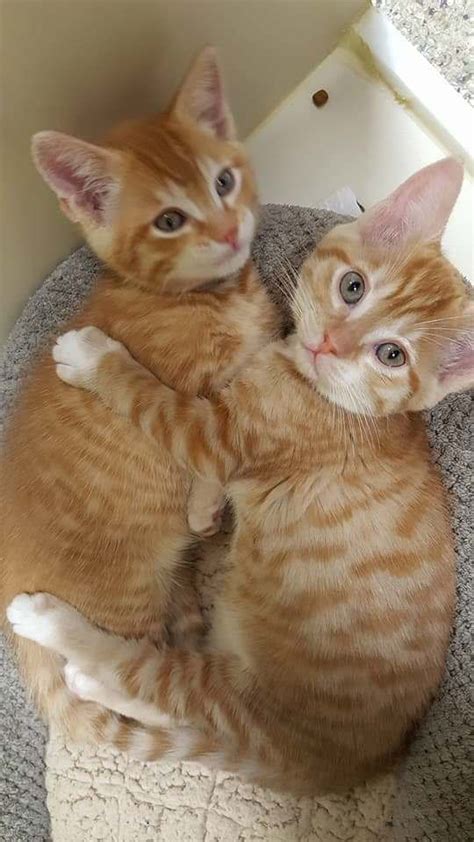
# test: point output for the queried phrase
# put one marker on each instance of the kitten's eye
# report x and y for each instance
(169, 221)
(225, 182)
(390, 354)
(352, 287)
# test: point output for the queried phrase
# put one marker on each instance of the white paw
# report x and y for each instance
(34, 616)
(82, 685)
(79, 353)
(49, 622)
(91, 689)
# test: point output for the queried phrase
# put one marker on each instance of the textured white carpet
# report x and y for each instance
(442, 31)
(99, 795)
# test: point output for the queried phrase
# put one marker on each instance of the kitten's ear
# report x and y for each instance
(83, 176)
(418, 210)
(456, 372)
(201, 97)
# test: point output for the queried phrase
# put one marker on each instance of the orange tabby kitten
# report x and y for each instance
(92, 510)
(330, 636)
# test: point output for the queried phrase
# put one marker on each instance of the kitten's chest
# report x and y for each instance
(215, 347)
(246, 326)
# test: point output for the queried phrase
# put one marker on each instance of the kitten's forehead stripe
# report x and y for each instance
(172, 195)
(163, 153)
(334, 252)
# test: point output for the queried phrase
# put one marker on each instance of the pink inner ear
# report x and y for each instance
(209, 104)
(78, 172)
(202, 98)
(418, 210)
(213, 110)
(459, 360)
(86, 195)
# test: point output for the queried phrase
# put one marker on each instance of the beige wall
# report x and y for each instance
(78, 65)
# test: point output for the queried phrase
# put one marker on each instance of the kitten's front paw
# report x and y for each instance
(79, 354)
(49, 622)
(205, 522)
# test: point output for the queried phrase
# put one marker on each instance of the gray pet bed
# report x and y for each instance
(435, 784)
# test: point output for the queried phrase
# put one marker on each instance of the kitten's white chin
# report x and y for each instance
(234, 263)
(194, 275)
(307, 367)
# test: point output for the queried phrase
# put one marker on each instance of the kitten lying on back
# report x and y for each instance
(331, 632)
(91, 510)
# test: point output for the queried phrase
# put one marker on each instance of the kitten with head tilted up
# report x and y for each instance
(330, 633)
(91, 509)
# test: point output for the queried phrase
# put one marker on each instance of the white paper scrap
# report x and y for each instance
(343, 201)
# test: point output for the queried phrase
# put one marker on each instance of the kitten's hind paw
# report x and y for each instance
(79, 354)
(82, 685)
(91, 689)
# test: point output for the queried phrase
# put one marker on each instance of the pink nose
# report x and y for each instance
(325, 347)
(231, 237)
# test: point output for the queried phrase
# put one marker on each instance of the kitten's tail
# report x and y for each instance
(188, 743)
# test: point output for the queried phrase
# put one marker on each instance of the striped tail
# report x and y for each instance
(190, 744)
(88, 722)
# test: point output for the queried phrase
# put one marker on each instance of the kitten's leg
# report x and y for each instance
(202, 434)
(209, 689)
(206, 690)
(92, 689)
(94, 656)
(58, 626)
(205, 507)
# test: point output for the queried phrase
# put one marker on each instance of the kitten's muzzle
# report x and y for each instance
(327, 346)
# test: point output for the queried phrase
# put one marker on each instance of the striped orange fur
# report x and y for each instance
(330, 634)
(91, 510)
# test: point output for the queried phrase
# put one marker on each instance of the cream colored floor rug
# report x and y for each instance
(99, 795)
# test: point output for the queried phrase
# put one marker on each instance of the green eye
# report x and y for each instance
(352, 287)
(169, 221)
(225, 182)
(390, 354)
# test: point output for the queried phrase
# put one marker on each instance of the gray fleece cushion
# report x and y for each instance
(433, 802)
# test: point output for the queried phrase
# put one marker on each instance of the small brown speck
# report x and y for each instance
(320, 98)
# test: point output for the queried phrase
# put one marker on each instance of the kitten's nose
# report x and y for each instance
(231, 236)
(325, 347)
